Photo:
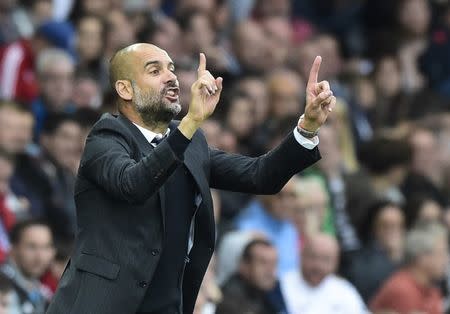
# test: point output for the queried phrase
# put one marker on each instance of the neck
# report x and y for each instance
(156, 127)
(421, 278)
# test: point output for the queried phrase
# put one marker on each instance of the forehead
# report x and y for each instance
(149, 53)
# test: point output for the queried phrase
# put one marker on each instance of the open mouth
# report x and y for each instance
(172, 94)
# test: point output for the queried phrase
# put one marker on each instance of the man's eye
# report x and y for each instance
(155, 72)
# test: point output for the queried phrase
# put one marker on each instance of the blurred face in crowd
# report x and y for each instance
(16, 130)
(424, 160)
(331, 162)
(204, 6)
(42, 11)
(239, 118)
(90, 38)
(387, 77)
(310, 209)
(168, 37)
(278, 30)
(56, 83)
(303, 56)
(430, 211)
(260, 269)
(255, 88)
(319, 258)
(414, 16)
(199, 34)
(389, 228)
(6, 171)
(274, 8)
(250, 47)
(434, 263)
(120, 32)
(87, 93)
(286, 93)
(64, 145)
(280, 205)
(213, 132)
(328, 48)
(98, 7)
(34, 251)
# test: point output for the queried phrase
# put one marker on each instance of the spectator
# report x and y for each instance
(31, 254)
(86, 92)
(382, 234)
(28, 180)
(61, 153)
(387, 162)
(63, 251)
(270, 216)
(412, 288)
(247, 290)
(312, 208)
(314, 288)
(55, 69)
(422, 208)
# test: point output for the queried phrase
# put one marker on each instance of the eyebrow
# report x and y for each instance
(149, 63)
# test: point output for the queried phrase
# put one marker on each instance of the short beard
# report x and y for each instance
(152, 108)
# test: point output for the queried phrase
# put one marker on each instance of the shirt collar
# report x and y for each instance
(149, 135)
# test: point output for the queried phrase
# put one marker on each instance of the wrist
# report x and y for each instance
(307, 125)
(188, 126)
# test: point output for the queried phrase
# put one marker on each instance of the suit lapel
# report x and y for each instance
(146, 149)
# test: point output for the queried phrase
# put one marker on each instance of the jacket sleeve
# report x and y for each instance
(266, 174)
(108, 163)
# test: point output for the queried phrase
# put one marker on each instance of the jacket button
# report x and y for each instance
(143, 284)
(155, 252)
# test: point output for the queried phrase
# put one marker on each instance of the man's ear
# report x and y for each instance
(124, 89)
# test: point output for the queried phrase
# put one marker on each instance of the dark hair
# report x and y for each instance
(381, 154)
(247, 253)
(54, 121)
(86, 117)
(5, 284)
(365, 230)
(15, 235)
(15, 105)
(413, 206)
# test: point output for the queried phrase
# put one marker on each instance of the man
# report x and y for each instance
(248, 290)
(270, 216)
(61, 152)
(315, 288)
(31, 254)
(55, 70)
(146, 227)
(412, 289)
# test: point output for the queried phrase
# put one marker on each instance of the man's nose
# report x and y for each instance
(171, 76)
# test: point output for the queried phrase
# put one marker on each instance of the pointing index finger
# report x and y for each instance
(314, 73)
(202, 63)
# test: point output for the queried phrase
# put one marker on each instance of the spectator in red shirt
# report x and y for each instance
(412, 289)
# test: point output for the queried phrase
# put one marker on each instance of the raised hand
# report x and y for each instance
(319, 100)
(205, 93)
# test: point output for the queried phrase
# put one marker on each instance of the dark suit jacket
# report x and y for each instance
(119, 210)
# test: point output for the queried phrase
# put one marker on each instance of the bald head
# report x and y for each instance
(123, 64)
(319, 258)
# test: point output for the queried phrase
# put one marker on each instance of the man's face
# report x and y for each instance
(260, 270)
(435, 262)
(65, 144)
(281, 205)
(6, 301)
(16, 130)
(34, 252)
(389, 228)
(155, 88)
(319, 259)
(57, 84)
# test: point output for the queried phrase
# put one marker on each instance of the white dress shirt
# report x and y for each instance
(333, 295)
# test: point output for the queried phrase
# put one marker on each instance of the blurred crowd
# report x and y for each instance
(364, 230)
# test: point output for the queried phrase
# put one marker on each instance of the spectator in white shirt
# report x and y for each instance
(315, 288)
